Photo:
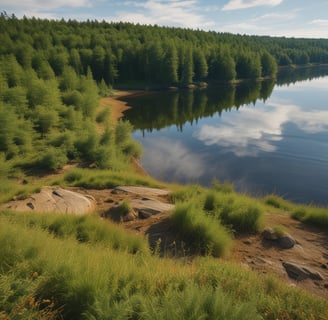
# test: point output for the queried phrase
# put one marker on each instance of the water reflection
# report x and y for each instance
(260, 139)
(172, 159)
(162, 109)
(255, 130)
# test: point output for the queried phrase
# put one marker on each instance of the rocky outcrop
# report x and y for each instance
(140, 208)
(300, 272)
(56, 200)
(284, 240)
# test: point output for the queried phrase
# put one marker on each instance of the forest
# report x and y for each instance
(52, 74)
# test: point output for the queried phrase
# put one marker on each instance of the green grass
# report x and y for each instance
(43, 276)
(104, 179)
(203, 234)
(240, 213)
(277, 202)
(84, 229)
(312, 215)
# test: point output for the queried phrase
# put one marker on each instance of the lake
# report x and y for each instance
(264, 137)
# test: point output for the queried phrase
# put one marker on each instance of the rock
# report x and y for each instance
(269, 234)
(54, 200)
(299, 272)
(148, 207)
(286, 241)
(144, 191)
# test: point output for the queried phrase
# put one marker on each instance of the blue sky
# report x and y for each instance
(290, 18)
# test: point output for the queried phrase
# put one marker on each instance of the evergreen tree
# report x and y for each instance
(187, 67)
(269, 65)
(200, 65)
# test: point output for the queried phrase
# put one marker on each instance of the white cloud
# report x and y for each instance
(44, 4)
(320, 22)
(245, 4)
(251, 130)
(183, 13)
(276, 17)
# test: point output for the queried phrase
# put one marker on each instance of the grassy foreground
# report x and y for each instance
(69, 267)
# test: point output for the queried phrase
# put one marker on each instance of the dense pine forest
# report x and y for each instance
(52, 74)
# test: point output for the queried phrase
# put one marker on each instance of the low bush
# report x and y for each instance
(52, 159)
(242, 215)
(201, 233)
(277, 202)
(311, 215)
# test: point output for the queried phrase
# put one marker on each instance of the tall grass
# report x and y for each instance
(238, 212)
(311, 215)
(277, 202)
(84, 229)
(46, 277)
(202, 233)
(102, 179)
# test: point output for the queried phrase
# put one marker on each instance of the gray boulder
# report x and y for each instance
(286, 241)
(299, 272)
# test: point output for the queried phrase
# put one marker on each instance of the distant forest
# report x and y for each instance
(125, 53)
(52, 74)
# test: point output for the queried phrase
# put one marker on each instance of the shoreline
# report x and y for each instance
(117, 108)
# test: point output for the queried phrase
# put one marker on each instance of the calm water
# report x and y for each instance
(263, 137)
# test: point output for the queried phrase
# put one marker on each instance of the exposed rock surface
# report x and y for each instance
(301, 272)
(142, 204)
(54, 199)
(285, 240)
(144, 191)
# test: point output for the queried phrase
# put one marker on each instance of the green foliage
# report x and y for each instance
(40, 278)
(52, 159)
(103, 115)
(44, 119)
(269, 65)
(124, 208)
(241, 213)
(201, 233)
(277, 202)
(311, 215)
(104, 179)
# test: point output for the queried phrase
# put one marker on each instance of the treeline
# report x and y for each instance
(128, 54)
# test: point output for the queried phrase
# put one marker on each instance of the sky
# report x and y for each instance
(289, 18)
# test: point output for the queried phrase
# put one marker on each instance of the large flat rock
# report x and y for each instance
(56, 200)
(144, 191)
(147, 207)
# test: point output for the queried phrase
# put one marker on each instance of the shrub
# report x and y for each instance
(240, 213)
(52, 159)
(225, 187)
(277, 202)
(103, 115)
(312, 215)
(202, 233)
(210, 198)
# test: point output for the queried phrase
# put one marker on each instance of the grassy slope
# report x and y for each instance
(74, 266)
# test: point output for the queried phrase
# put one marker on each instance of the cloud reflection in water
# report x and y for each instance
(253, 130)
(169, 157)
